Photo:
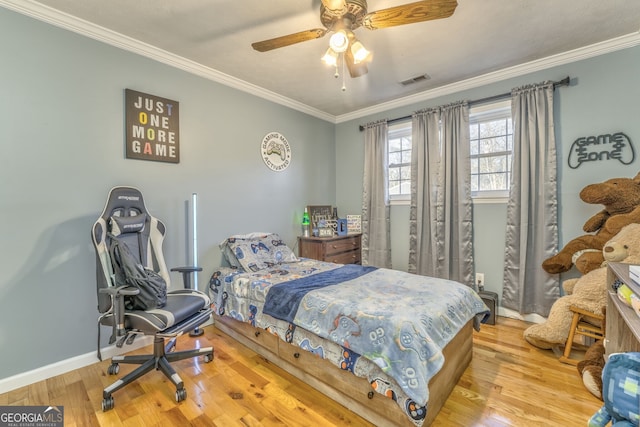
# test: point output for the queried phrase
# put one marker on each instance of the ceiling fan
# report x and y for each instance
(342, 17)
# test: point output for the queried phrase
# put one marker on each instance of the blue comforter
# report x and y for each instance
(400, 321)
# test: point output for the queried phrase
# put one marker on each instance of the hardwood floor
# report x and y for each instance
(509, 383)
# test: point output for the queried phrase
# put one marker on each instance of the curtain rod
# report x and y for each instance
(564, 82)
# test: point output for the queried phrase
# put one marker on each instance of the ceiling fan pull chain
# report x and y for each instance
(344, 86)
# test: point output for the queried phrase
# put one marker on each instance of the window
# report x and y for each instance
(399, 167)
(491, 138)
(491, 148)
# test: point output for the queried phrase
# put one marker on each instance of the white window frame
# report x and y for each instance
(397, 130)
(486, 112)
(482, 113)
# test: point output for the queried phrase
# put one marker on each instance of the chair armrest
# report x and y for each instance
(186, 269)
(186, 274)
(120, 290)
(117, 303)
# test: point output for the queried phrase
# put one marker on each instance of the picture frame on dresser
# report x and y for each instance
(318, 213)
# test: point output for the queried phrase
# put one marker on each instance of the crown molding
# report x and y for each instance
(54, 17)
(612, 45)
(68, 22)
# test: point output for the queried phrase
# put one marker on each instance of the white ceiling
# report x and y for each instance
(483, 38)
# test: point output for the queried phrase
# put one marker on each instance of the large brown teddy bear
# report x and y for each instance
(621, 200)
(588, 292)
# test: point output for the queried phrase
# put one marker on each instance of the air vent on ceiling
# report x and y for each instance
(416, 79)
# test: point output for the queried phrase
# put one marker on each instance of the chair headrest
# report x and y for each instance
(127, 224)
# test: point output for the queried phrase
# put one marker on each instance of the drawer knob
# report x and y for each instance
(334, 246)
(257, 333)
(296, 355)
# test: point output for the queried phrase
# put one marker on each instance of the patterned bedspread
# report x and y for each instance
(396, 322)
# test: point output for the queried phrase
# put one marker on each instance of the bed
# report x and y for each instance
(386, 344)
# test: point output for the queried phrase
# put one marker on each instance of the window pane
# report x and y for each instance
(394, 174)
(399, 159)
(491, 148)
(395, 158)
(474, 167)
(394, 145)
(473, 131)
(492, 145)
(406, 157)
(493, 128)
(499, 164)
(405, 173)
(474, 147)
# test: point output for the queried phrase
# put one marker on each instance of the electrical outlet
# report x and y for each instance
(480, 280)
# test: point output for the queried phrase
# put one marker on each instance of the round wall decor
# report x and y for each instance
(276, 151)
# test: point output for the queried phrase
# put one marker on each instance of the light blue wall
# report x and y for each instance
(603, 99)
(62, 133)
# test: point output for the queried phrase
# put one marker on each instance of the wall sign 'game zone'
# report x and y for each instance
(615, 146)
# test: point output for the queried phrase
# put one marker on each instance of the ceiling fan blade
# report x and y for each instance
(355, 70)
(287, 40)
(335, 6)
(410, 13)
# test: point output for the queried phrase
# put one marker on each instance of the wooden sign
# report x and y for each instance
(354, 224)
(319, 213)
(152, 127)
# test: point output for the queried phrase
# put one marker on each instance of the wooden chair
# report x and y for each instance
(581, 327)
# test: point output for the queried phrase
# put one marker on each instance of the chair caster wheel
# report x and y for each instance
(208, 357)
(113, 369)
(107, 403)
(181, 395)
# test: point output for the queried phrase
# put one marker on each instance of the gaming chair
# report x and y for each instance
(126, 216)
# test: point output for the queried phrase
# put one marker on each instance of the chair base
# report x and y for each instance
(160, 360)
(196, 332)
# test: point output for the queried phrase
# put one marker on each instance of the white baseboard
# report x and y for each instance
(76, 362)
(67, 365)
(532, 317)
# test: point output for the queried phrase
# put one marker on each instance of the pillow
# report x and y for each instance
(127, 224)
(228, 253)
(256, 251)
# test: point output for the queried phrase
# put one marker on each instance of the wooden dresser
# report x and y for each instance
(338, 249)
(623, 324)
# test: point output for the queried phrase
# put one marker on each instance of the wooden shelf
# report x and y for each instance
(623, 324)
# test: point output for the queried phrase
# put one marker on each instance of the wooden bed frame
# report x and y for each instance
(352, 392)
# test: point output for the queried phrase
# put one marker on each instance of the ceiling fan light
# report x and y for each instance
(339, 41)
(330, 57)
(359, 52)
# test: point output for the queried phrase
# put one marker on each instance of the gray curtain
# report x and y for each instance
(440, 215)
(376, 234)
(532, 217)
